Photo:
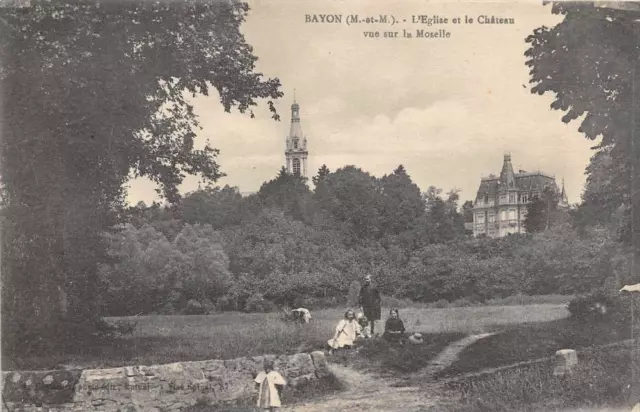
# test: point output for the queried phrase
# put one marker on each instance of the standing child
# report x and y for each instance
(269, 383)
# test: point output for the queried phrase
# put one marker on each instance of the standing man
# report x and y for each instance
(370, 301)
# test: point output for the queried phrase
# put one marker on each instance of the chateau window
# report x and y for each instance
(512, 197)
(296, 167)
(503, 198)
(512, 214)
(491, 218)
(524, 198)
(480, 217)
(503, 215)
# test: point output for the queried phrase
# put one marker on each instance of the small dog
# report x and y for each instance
(299, 315)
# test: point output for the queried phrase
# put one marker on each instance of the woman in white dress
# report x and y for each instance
(347, 331)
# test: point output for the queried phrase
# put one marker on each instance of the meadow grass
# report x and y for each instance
(518, 343)
(386, 359)
(605, 379)
(165, 339)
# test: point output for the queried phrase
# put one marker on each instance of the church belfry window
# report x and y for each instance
(295, 143)
(296, 166)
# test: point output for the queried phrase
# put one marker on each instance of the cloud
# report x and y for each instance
(446, 109)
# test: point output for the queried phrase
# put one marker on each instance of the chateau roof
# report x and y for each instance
(522, 181)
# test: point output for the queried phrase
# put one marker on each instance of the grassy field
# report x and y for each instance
(165, 339)
(606, 379)
(517, 343)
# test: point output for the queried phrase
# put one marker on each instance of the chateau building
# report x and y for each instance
(501, 202)
(296, 145)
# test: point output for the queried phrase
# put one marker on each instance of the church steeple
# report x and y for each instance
(295, 130)
(296, 144)
(564, 201)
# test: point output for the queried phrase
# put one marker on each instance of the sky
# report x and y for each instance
(448, 109)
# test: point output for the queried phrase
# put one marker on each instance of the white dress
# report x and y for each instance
(346, 333)
(268, 396)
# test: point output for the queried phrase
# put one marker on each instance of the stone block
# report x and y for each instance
(47, 387)
(297, 369)
(565, 362)
(320, 364)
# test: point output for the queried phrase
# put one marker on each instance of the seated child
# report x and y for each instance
(364, 325)
(269, 383)
(394, 327)
(347, 331)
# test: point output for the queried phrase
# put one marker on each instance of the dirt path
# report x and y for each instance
(366, 392)
(448, 356)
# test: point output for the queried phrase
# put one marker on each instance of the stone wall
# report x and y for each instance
(165, 388)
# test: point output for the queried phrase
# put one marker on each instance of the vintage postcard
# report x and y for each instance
(333, 205)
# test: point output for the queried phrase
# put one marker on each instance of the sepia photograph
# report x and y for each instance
(330, 205)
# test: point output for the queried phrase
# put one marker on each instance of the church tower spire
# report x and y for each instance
(564, 201)
(296, 144)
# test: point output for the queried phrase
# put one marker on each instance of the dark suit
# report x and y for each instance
(370, 302)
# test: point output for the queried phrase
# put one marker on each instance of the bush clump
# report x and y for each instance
(257, 303)
(195, 308)
(605, 306)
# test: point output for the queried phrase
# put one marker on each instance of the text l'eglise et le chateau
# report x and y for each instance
(417, 18)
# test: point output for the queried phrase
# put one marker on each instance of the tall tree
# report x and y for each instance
(402, 202)
(593, 81)
(322, 173)
(354, 201)
(288, 192)
(542, 211)
(93, 93)
(442, 221)
(216, 206)
(536, 218)
(467, 211)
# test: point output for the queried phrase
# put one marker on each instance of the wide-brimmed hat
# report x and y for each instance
(416, 338)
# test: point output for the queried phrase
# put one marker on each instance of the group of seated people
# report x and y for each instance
(354, 327)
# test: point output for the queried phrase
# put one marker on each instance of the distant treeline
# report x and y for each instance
(290, 245)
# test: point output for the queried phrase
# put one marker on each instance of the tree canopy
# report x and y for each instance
(94, 93)
(587, 62)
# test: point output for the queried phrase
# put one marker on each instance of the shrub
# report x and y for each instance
(592, 307)
(194, 308)
(167, 309)
(257, 303)
(604, 306)
(227, 303)
(441, 304)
